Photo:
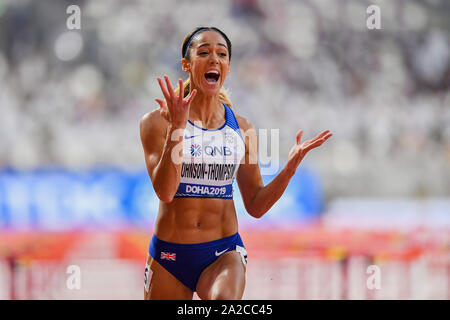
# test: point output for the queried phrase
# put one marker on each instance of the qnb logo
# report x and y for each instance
(196, 150)
(229, 137)
(213, 150)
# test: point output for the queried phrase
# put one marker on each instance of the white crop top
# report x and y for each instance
(211, 158)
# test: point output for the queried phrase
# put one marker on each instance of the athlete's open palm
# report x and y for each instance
(300, 149)
(175, 108)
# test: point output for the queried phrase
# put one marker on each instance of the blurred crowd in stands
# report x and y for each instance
(74, 98)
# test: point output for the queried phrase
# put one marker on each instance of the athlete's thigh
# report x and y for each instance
(223, 279)
(160, 284)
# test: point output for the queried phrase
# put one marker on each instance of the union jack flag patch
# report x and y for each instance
(168, 256)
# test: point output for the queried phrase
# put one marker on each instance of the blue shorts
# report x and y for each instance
(186, 262)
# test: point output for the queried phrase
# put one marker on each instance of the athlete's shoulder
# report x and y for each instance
(248, 134)
(244, 123)
(153, 116)
(153, 122)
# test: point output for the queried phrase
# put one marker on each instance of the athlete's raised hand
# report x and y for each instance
(299, 150)
(175, 108)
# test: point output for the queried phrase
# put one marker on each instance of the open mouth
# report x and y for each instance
(212, 77)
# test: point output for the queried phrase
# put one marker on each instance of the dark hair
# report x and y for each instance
(187, 42)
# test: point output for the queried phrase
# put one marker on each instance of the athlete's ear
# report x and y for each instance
(186, 65)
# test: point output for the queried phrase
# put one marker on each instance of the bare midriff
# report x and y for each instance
(195, 220)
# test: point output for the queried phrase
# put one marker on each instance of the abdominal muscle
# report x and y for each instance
(195, 220)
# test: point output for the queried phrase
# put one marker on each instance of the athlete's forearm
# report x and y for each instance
(268, 195)
(168, 171)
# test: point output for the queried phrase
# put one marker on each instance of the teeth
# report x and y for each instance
(213, 71)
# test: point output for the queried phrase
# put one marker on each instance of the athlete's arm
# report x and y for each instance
(258, 199)
(161, 135)
(158, 146)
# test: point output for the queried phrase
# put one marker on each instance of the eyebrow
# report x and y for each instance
(205, 44)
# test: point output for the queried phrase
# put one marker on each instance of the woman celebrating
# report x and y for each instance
(194, 147)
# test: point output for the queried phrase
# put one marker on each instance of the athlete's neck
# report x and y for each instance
(207, 110)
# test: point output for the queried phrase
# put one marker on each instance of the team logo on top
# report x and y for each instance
(168, 256)
(196, 150)
(229, 137)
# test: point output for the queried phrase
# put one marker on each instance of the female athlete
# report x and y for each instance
(194, 147)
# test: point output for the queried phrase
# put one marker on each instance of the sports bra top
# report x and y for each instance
(211, 158)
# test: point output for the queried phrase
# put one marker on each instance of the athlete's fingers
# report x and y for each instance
(327, 136)
(169, 87)
(163, 89)
(191, 97)
(313, 145)
(318, 137)
(164, 111)
(316, 143)
(321, 135)
(299, 151)
(161, 103)
(299, 136)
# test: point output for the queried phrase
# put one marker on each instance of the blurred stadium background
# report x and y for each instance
(74, 189)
